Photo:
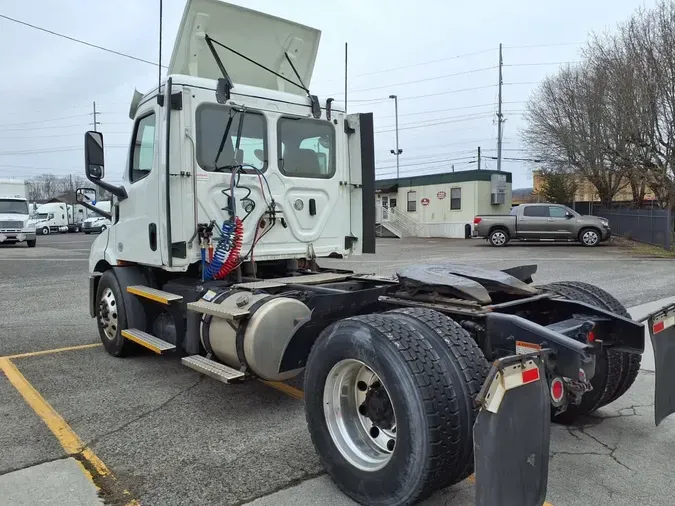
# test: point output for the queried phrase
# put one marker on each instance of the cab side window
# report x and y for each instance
(143, 149)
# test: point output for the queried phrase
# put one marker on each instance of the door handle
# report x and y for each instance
(152, 236)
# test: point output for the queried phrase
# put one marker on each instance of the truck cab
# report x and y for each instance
(299, 192)
(15, 223)
(51, 218)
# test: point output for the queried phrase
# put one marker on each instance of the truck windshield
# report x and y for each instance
(41, 216)
(13, 206)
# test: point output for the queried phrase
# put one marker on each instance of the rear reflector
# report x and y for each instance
(477, 220)
(662, 325)
(530, 375)
(591, 336)
(557, 390)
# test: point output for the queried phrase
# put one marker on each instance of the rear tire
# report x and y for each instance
(111, 315)
(609, 366)
(498, 238)
(606, 301)
(424, 406)
(466, 368)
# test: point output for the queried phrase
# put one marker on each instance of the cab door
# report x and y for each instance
(136, 234)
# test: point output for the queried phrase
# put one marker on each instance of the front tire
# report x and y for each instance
(31, 244)
(111, 315)
(498, 238)
(589, 237)
(395, 387)
(44, 230)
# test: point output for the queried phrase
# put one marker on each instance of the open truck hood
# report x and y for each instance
(259, 36)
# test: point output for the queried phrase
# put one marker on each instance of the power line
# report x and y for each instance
(416, 81)
(421, 122)
(79, 41)
(486, 115)
(540, 63)
(448, 160)
(417, 64)
(30, 137)
(544, 45)
(42, 120)
(53, 150)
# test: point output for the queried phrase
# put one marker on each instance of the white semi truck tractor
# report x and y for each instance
(239, 181)
(15, 224)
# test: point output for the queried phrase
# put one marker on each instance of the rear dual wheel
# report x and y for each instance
(389, 404)
(615, 371)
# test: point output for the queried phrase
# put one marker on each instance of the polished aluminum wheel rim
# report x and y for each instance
(590, 237)
(498, 238)
(108, 313)
(359, 415)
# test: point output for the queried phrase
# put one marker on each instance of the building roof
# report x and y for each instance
(446, 177)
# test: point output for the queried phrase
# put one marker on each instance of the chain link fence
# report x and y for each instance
(651, 226)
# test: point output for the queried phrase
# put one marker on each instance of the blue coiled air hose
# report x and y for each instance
(222, 248)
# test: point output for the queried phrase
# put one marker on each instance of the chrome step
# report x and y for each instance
(147, 341)
(216, 370)
(308, 279)
(210, 308)
(153, 294)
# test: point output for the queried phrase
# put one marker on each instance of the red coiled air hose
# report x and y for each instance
(233, 258)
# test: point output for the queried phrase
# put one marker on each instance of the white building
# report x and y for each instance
(439, 205)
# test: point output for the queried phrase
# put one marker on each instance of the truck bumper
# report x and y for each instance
(16, 236)
(606, 234)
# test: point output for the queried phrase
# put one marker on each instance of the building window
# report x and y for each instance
(455, 198)
(412, 201)
(392, 202)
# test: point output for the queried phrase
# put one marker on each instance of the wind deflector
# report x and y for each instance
(233, 25)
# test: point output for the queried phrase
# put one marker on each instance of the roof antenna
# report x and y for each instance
(160, 97)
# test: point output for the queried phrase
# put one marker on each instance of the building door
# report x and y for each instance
(385, 208)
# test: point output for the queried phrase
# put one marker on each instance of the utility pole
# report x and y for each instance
(398, 151)
(453, 167)
(478, 157)
(95, 114)
(499, 113)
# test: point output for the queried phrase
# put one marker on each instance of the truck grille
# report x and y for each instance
(11, 224)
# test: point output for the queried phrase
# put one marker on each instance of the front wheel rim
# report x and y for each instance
(108, 314)
(590, 238)
(359, 415)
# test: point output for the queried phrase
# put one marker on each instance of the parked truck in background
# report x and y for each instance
(536, 222)
(96, 223)
(15, 225)
(51, 217)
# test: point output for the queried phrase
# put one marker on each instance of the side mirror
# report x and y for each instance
(87, 195)
(569, 215)
(93, 155)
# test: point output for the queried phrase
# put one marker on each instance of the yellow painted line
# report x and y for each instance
(135, 339)
(146, 295)
(49, 352)
(70, 441)
(284, 388)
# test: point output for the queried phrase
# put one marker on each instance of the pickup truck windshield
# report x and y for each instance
(13, 206)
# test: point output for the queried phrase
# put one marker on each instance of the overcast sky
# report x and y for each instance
(49, 83)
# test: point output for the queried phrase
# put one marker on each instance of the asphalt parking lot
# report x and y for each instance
(171, 436)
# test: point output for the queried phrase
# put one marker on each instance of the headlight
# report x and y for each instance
(604, 221)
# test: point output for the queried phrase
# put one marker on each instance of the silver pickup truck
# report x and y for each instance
(538, 222)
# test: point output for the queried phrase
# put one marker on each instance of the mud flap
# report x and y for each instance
(662, 333)
(512, 433)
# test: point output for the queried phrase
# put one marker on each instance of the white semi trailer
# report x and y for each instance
(239, 180)
(15, 223)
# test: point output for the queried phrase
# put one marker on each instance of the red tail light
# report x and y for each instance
(477, 220)
(591, 336)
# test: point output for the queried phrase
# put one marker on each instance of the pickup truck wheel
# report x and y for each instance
(606, 301)
(609, 366)
(589, 237)
(498, 237)
(111, 315)
(466, 368)
(380, 410)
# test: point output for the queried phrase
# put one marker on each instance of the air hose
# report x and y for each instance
(226, 254)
